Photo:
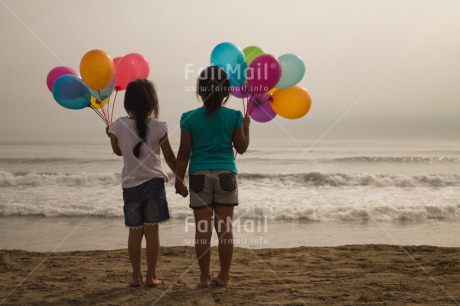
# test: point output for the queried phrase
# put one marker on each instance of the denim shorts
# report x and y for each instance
(145, 204)
(213, 187)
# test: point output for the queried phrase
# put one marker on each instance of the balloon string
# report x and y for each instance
(100, 116)
(104, 114)
(102, 110)
(108, 107)
(248, 97)
(245, 102)
(251, 108)
(113, 105)
(102, 105)
(254, 106)
(247, 107)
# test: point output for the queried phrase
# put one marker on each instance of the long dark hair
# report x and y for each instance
(213, 87)
(141, 102)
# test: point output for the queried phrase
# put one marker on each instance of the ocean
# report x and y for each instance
(412, 183)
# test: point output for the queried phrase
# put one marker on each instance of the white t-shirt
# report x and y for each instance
(139, 170)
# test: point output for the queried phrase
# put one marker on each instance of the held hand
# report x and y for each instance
(181, 188)
(183, 192)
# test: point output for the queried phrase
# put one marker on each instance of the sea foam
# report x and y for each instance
(317, 179)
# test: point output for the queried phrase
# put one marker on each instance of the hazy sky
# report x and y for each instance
(375, 69)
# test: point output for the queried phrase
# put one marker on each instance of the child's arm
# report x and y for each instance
(168, 153)
(113, 142)
(241, 136)
(183, 157)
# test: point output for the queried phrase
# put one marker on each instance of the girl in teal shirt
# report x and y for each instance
(208, 136)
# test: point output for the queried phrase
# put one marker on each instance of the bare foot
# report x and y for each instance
(204, 283)
(152, 281)
(137, 280)
(219, 280)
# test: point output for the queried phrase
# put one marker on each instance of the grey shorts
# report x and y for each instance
(213, 187)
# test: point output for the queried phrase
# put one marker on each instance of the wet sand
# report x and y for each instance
(45, 234)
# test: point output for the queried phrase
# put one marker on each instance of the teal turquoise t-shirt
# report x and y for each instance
(212, 146)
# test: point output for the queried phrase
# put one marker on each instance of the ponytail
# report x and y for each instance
(213, 88)
(212, 102)
(140, 102)
(141, 125)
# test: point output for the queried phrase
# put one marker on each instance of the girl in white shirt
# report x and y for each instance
(139, 138)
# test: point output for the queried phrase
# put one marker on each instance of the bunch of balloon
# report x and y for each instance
(267, 85)
(100, 77)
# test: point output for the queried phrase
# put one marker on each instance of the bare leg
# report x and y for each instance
(152, 239)
(134, 249)
(223, 223)
(203, 232)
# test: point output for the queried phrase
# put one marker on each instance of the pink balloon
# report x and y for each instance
(260, 107)
(57, 72)
(116, 61)
(263, 73)
(240, 91)
(131, 67)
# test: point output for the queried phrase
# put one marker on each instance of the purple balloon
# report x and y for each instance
(56, 73)
(240, 91)
(263, 73)
(260, 107)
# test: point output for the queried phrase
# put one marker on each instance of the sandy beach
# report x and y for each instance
(346, 275)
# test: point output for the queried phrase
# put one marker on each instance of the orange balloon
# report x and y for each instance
(291, 103)
(97, 69)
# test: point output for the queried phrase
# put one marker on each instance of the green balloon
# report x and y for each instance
(252, 52)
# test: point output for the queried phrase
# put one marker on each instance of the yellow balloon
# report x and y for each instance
(271, 91)
(291, 103)
(98, 103)
(97, 69)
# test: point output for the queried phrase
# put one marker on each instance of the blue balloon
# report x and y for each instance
(232, 60)
(104, 93)
(293, 70)
(70, 92)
